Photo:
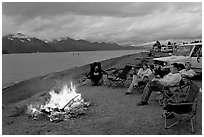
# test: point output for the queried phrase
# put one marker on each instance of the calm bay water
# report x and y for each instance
(18, 67)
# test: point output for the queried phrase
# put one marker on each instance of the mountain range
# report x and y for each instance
(20, 43)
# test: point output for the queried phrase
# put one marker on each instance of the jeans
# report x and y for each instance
(151, 86)
(135, 81)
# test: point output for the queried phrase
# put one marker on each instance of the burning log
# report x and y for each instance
(64, 105)
(68, 104)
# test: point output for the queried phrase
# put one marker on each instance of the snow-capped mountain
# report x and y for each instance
(20, 43)
(19, 35)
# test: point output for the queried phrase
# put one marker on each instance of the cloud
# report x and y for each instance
(124, 23)
(30, 9)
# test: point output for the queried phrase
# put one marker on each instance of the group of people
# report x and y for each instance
(155, 81)
(153, 78)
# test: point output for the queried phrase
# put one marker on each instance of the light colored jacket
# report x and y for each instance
(171, 79)
(190, 73)
(141, 73)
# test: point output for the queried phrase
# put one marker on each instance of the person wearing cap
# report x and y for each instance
(172, 79)
(188, 71)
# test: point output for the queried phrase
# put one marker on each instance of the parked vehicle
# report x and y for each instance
(167, 49)
(185, 53)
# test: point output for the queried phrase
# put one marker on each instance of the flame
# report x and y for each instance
(61, 105)
(33, 111)
(61, 99)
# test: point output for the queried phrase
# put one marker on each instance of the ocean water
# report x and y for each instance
(19, 67)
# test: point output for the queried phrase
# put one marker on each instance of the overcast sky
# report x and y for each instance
(122, 23)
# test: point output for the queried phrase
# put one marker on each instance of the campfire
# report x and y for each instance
(65, 104)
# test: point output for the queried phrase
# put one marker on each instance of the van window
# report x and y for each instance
(197, 52)
(183, 50)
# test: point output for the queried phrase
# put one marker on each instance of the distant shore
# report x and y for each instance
(145, 49)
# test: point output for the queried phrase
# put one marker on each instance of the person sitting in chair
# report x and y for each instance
(96, 73)
(186, 93)
(188, 71)
(156, 84)
(187, 83)
(141, 76)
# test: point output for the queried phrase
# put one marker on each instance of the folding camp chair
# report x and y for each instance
(183, 102)
(119, 78)
(168, 93)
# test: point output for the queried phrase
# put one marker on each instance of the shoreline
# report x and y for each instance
(8, 85)
(144, 50)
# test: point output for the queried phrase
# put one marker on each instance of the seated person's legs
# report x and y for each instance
(134, 82)
(95, 79)
(151, 86)
(142, 84)
(137, 82)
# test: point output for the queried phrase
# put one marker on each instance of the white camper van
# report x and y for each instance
(185, 53)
